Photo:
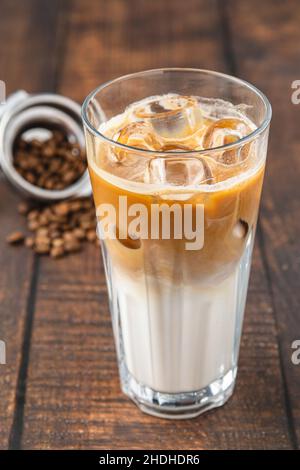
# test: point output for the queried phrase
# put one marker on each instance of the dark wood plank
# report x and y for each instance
(109, 39)
(14, 294)
(266, 41)
(26, 31)
(73, 395)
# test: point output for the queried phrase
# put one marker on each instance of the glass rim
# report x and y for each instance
(244, 140)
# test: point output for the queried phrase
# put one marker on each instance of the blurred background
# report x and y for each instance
(59, 388)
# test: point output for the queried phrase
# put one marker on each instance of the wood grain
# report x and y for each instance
(14, 294)
(26, 32)
(73, 397)
(266, 44)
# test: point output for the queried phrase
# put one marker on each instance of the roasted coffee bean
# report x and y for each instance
(57, 252)
(33, 214)
(61, 209)
(22, 144)
(54, 165)
(54, 234)
(23, 208)
(69, 176)
(37, 160)
(42, 241)
(59, 225)
(58, 136)
(29, 242)
(41, 181)
(48, 151)
(43, 220)
(36, 143)
(79, 233)
(69, 237)
(91, 235)
(15, 238)
(42, 248)
(42, 232)
(72, 246)
(30, 177)
(33, 162)
(58, 242)
(33, 225)
(86, 224)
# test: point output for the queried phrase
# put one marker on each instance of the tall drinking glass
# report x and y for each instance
(176, 159)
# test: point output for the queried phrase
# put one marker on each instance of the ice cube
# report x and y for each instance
(139, 135)
(227, 131)
(176, 147)
(172, 116)
(176, 171)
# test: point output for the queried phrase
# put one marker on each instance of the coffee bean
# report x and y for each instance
(30, 177)
(15, 238)
(42, 248)
(75, 206)
(58, 136)
(62, 208)
(43, 220)
(49, 152)
(42, 232)
(69, 237)
(36, 143)
(22, 144)
(42, 240)
(57, 252)
(54, 234)
(91, 235)
(29, 242)
(72, 246)
(23, 208)
(58, 242)
(79, 233)
(59, 225)
(36, 160)
(33, 225)
(49, 184)
(69, 176)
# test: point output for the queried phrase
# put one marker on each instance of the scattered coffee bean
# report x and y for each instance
(42, 248)
(58, 242)
(79, 233)
(42, 232)
(15, 238)
(72, 246)
(57, 252)
(33, 225)
(23, 208)
(59, 228)
(91, 235)
(29, 242)
(62, 208)
(33, 214)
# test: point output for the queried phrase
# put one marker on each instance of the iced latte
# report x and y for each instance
(177, 292)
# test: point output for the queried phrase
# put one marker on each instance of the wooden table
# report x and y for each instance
(60, 388)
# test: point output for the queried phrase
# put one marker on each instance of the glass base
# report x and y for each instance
(178, 405)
